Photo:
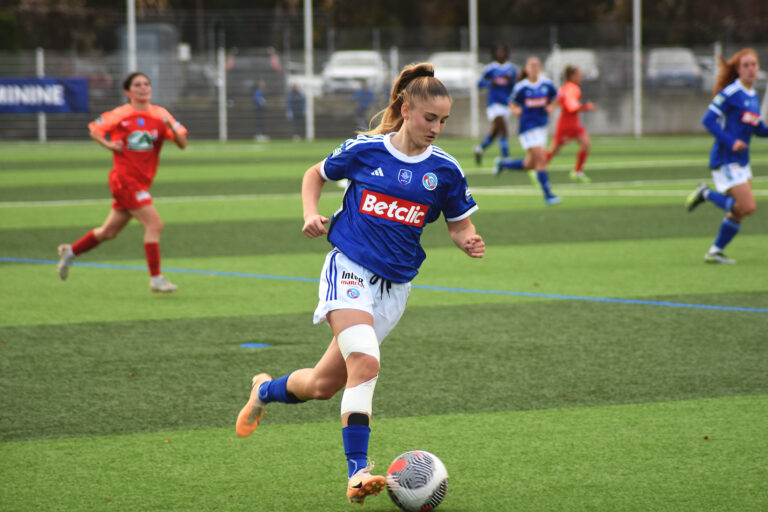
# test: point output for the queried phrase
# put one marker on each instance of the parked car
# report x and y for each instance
(456, 71)
(346, 70)
(583, 58)
(673, 68)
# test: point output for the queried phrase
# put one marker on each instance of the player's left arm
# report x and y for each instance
(466, 238)
(551, 99)
(761, 130)
(176, 129)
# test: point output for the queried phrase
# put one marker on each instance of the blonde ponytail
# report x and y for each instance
(415, 80)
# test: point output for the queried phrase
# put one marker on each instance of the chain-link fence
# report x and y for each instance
(179, 53)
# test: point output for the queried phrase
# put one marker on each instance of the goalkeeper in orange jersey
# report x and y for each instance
(569, 125)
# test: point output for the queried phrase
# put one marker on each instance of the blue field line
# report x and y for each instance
(417, 286)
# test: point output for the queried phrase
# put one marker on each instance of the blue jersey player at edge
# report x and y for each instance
(398, 182)
(532, 100)
(499, 77)
(732, 118)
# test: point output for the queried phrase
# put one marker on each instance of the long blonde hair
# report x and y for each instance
(728, 69)
(415, 81)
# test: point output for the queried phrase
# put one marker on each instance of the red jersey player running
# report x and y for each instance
(569, 125)
(134, 132)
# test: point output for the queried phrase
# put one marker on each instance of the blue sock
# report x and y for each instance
(504, 145)
(514, 164)
(356, 446)
(543, 178)
(723, 201)
(486, 141)
(277, 391)
(728, 230)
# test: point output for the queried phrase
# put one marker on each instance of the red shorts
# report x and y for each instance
(129, 194)
(566, 133)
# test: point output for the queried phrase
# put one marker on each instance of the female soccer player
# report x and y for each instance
(134, 132)
(499, 76)
(531, 101)
(732, 118)
(569, 125)
(398, 182)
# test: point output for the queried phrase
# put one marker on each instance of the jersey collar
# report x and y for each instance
(402, 156)
(750, 91)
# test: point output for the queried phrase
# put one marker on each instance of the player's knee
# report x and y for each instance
(744, 208)
(360, 339)
(363, 366)
(326, 388)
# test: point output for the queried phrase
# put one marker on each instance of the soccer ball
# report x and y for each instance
(417, 481)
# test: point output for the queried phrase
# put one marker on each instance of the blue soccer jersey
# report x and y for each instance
(733, 114)
(500, 79)
(533, 97)
(389, 200)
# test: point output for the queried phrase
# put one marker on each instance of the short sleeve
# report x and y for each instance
(337, 165)
(459, 203)
(105, 123)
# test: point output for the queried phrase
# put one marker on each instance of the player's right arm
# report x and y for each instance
(102, 126)
(311, 188)
(116, 146)
(711, 122)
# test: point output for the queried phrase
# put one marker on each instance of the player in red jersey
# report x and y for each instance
(134, 132)
(569, 125)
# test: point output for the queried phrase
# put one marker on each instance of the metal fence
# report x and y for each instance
(186, 76)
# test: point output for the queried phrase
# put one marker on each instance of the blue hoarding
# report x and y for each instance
(51, 95)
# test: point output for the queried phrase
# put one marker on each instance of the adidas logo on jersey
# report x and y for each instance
(377, 172)
(392, 208)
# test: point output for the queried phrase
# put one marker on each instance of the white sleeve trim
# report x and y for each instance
(322, 170)
(463, 215)
(716, 110)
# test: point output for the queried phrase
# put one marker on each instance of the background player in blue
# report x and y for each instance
(532, 100)
(398, 182)
(732, 117)
(499, 76)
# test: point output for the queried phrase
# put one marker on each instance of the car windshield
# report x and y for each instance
(354, 61)
(673, 60)
(451, 61)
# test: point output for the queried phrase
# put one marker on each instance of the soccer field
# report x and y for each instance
(590, 362)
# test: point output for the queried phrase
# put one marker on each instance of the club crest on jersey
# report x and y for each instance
(429, 180)
(140, 121)
(353, 293)
(404, 176)
(391, 208)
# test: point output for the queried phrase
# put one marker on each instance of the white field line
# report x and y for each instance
(701, 162)
(613, 188)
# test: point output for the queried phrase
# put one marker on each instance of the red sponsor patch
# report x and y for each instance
(393, 208)
(535, 102)
(752, 118)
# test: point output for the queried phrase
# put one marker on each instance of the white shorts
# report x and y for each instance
(729, 175)
(345, 284)
(495, 110)
(534, 137)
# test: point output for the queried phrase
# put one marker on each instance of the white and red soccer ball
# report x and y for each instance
(417, 481)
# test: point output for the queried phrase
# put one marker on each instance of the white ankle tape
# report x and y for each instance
(358, 338)
(359, 398)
